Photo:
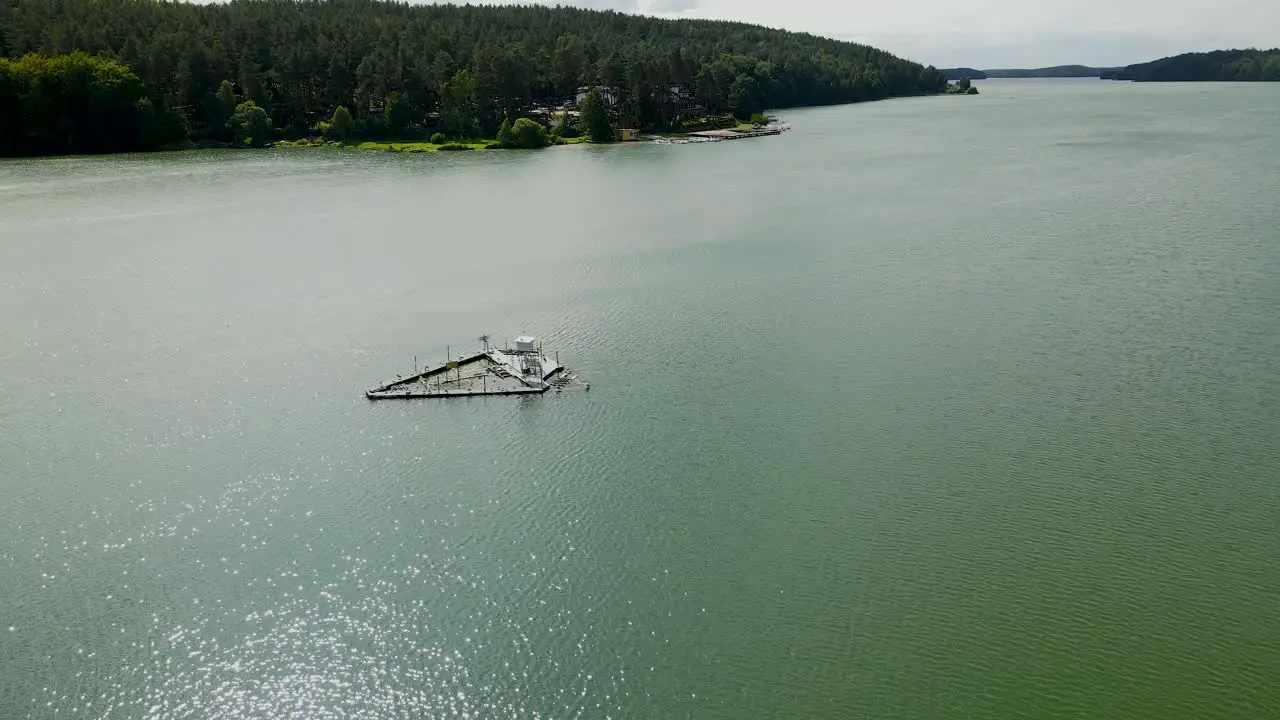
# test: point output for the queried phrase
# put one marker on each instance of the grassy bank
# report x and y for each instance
(393, 145)
(712, 122)
(409, 146)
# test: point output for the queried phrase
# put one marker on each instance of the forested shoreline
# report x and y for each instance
(1216, 66)
(249, 70)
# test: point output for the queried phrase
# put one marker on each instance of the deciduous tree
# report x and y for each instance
(529, 133)
(395, 113)
(343, 123)
(458, 105)
(250, 125)
(596, 124)
(506, 135)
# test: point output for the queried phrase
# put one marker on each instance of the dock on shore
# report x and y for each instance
(734, 134)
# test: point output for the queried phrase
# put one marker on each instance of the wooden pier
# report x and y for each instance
(734, 134)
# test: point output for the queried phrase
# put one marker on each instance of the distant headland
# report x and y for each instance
(1057, 71)
(1217, 66)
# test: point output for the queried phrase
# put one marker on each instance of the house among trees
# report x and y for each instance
(680, 100)
(610, 95)
(627, 134)
(557, 118)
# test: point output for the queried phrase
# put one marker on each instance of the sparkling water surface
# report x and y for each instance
(938, 407)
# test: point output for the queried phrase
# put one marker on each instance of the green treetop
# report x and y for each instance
(595, 117)
(250, 125)
(342, 123)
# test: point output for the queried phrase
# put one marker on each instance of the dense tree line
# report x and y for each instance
(77, 102)
(459, 70)
(1220, 65)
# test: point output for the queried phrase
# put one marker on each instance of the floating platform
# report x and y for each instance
(523, 370)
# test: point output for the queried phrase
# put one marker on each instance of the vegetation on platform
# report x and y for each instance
(961, 87)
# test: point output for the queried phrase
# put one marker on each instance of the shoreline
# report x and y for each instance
(736, 131)
(742, 130)
(421, 146)
(411, 146)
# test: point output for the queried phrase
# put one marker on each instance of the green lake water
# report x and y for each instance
(952, 407)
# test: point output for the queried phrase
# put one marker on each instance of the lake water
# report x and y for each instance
(962, 407)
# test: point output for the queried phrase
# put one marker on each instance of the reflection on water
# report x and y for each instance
(965, 412)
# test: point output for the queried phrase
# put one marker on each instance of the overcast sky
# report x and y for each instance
(1001, 33)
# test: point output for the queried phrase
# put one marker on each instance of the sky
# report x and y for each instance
(988, 34)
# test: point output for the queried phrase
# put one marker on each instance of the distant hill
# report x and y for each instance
(1219, 65)
(1057, 71)
(964, 74)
